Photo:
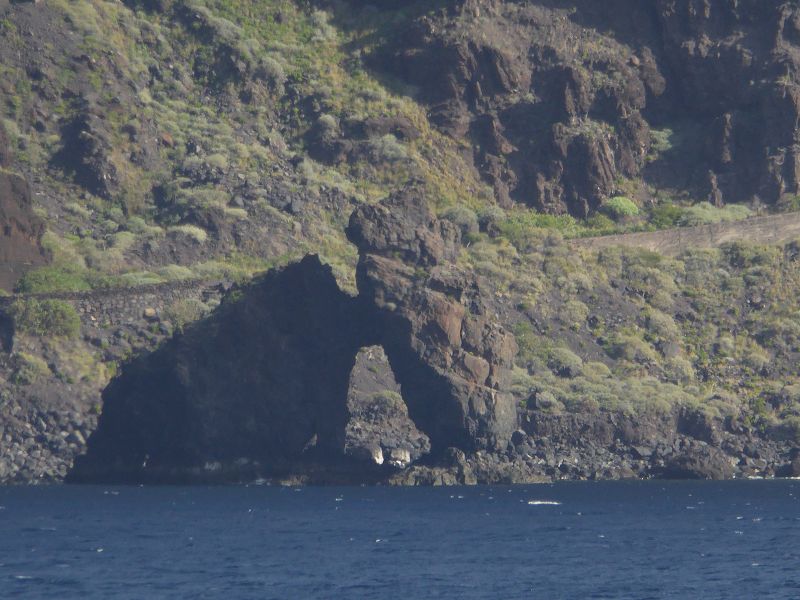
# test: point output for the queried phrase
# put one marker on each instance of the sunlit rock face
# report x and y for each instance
(562, 100)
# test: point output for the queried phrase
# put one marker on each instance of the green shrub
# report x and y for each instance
(137, 279)
(565, 363)
(270, 69)
(664, 215)
(387, 397)
(596, 370)
(726, 345)
(756, 357)
(198, 234)
(620, 207)
(679, 370)
(489, 218)
(545, 401)
(626, 346)
(661, 140)
(464, 218)
(574, 314)
(328, 124)
(705, 213)
(217, 161)
(28, 368)
(175, 272)
(661, 326)
(600, 224)
(387, 148)
(527, 229)
(183, 312)
(45, 317)
(53, 279)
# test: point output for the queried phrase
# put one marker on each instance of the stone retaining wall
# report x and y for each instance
(120, 306)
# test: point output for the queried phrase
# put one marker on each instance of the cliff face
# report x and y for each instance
(260, 379)
(278, 382)
(183, 142)
(561, 101)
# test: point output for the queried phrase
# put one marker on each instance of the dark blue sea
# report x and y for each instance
(637, 540)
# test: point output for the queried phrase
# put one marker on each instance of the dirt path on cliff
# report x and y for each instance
(772, 229)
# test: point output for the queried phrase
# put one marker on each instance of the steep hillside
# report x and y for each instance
(155, 152)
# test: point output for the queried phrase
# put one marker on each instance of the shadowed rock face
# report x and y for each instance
(262, 385)
(86, 153)
(379, 429)
(263, 380)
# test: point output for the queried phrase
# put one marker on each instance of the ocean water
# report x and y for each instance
(637, 540)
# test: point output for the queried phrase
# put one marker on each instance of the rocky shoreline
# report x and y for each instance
(41, 445)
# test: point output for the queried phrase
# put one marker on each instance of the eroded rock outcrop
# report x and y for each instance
(261, 387)
(452, 359)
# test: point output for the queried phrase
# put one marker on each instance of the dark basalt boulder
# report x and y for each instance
(791, 469)
(701, 462)
(262, 386)
(402, 228)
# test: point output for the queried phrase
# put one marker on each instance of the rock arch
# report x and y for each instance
(262, 384)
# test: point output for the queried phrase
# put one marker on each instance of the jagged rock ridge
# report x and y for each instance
(563, 101)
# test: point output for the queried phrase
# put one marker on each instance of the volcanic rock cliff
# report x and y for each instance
(563, 101)
(261, 387)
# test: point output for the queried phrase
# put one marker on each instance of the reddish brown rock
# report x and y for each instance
(558, 99)
(452, 360)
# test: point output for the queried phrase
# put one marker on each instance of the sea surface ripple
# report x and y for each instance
(635, 540)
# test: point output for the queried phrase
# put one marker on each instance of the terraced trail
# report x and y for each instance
(767, 230)
(772, 229)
